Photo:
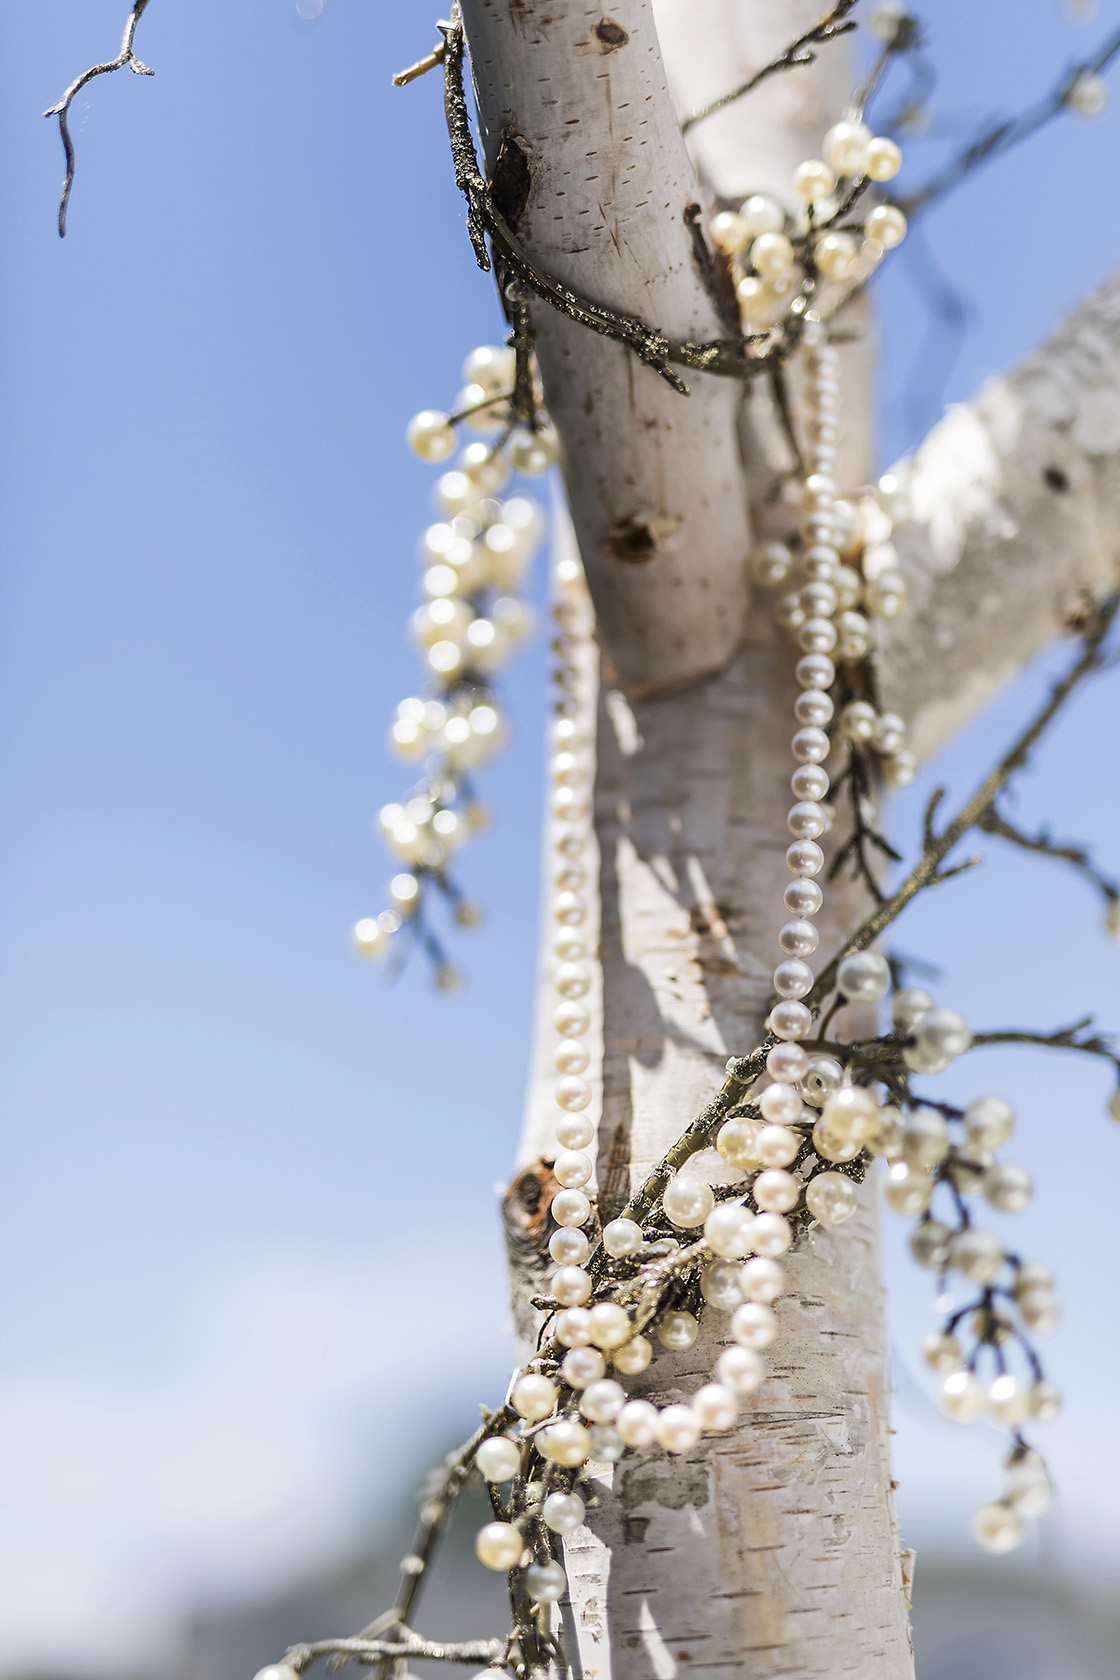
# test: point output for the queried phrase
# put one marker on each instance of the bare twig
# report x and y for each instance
(61, 110)
(421, 67)
(993, 822)
(1066, 1038)
(1000, 134)
(798, 52)
(927, 872)
(379, 1650)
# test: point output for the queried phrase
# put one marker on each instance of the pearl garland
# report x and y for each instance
(473, 618)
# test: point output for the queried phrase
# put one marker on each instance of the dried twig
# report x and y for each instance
(380, 1650)
(1078, 857)
(798, 52)
(421, 67)
(61, 110)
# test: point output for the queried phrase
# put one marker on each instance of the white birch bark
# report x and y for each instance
(772, 1552)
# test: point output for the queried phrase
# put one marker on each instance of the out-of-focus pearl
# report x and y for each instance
(834, 253)
(777, 1146)
(1089, 95)
(790, 1019)
(761, 1280)
(883, 160)
(498, 1458)
(545, 1582)
(1028, 1485)
(845, 147)
(907, 1190)
(678, 1429)
(565, 1443)
(677, 1330)
(886, 226)
(761, 214)
(430, 436)
(610, 1324)
(563, 1512)
(1044, 1401)
(687, 1201)
(1008, 1399)
(997, 1527)
(776, 1191)
(929, 1244)
(533, 1396)
(831, 1197)
(771, 255)
(637, 1423)
(572, 1327)
(1007, 1187)
(570, 1207)
(570, 1056)
(831, 1144)
(961, 1396)
(908, 1006)
(499, 1546)
(852, 1113)
(573, 1093)
(770, 564)
(941, 1351)
(633, 1356)
(621, 1237)
(716, 1407)
(572, 980)
(719, 1284)
(976, 1254)
(602, 1400)
(813, 180)
(864, 976)
(989, 1121)
(925, 1138)
(727, 1230)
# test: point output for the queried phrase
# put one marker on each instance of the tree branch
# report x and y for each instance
(798, 52)
(1078, 858)
(62, 109)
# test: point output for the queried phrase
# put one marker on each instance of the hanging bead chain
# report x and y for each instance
(475, 560)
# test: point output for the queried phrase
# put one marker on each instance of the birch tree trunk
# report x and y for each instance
(772, 1551)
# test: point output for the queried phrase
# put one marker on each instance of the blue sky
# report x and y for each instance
(216, 1121)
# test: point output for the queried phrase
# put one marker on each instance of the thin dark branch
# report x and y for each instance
(1000, 134)
(1066, 1038)
(926, 872)
(1078, 857)
(61, 110)
(380, 1650)
(798, 52)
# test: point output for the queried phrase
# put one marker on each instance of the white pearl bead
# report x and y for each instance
(908, 1006)
(799, 939)
(570, 1207)
(582, 1365)
(430, 436)
(1045, 1401)
(771, 1235)
(574, 1131)
(787, 1063)
(570, 1056)
(716, 1407)
(499, 1546)
(814, 706)
(943, 1032)
(770, 565)
(622, 1237)
(678, 1429)
(545, 1582)
(809, 781)
(886, 225)
(941, 1351)
(961, 1396)
(603, 1400)
(883, 160)
(727, 1230)
(572, 980)
(803, 897)
(845, 147)
(569, 945)
(761, 214)
(572, 1169)
(929, 1244)
(533, 1396)
(736, 1142)
(776, 1145)
(790, 1019)
(925, 1138)
(568, 1247)
(831, 1197)
(610, 1325)
(569, 909)
(977, 1254)
(793, 978)
(498, 1458)
(989, 1121)
(572, 1327)
(719, 1285)
(813, 180)
(573, 1093)
(687, 1201)
(834, 253)
(776, 1191)
(741, 1370)
(817, 635)
(677, 1330)
(771, 254)
(811, 746)
(806, 820)
(864, 976)
(571, 1286)
(637, 1423)
(762, 1280)
(633, 1356)
(563, 1512)
(565, 1442)
(779, 1103)
(1008, 1399)
(754, 1325)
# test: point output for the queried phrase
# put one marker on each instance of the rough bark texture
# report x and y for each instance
(773, 1552)
(577, 98)
(1016, 527)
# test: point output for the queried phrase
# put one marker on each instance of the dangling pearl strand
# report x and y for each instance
(574, 909)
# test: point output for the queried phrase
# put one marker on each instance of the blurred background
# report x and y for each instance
(220, 1374)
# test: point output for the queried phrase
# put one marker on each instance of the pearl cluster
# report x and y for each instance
(475, 559)
(778, 260)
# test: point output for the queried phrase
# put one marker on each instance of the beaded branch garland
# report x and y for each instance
(802, 1117)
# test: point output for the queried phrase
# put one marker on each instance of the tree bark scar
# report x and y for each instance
(512, 179)
(606, 37)
(636, 540)
(525, 1214)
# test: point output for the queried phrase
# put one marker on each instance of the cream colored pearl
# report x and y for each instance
(852, 1113)
(633, 1356)
(687, 1201)
(568, 1247)
(430, 436)
(533, 1396)
(499, 1546)
(677, 1330)
(777, 1146)
(571, 1020)
(572, 1169)
(727, 1230)
(570, 1056)
(736, 1142)
(771, 254)
(761, 214)
(813, 180)
(571, 1286)
(835, 253)
(762, 1280)
(572, 1327)
(997, 1527)
(637, 1423)
(719, 1285)
(886, 225)
(582, 1365)
(961, 1396)
(907, 1190)
(831, 1145)
(610, 1324)
(728, 232)
(779, 1103)
(570, 1207)
(622, 1237)
(831, 1198)
(941, 1351)
(845, 147)
(776, 1191)
(572, 980)
(883, 160)
(498, 1458)
(716, 1407)
(574, 1131)
(1009, 1399)
(741, 1370)
(754, 1325)
(573, 1093)
(678, 1429)
(565, 1442)
(563, 1512)
(771, 1235)
(602, 1401)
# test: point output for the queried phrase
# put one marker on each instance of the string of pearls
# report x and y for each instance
(475, 560)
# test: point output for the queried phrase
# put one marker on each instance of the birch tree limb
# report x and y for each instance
(1015, 526)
